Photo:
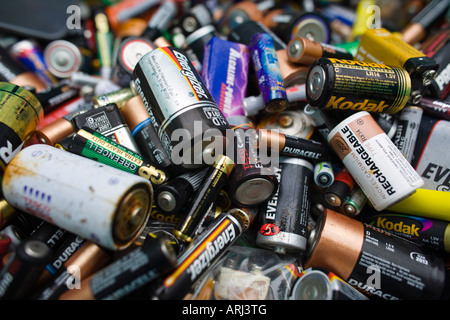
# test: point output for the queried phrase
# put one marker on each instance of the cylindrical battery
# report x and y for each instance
(428, 232)
(268, 73)
(143, 132)
(252, 181)
(319, 284)
(284, 220)
(321, 120)
(172, 195)
(339, 84)
(22, 269)
(118, 97)
(19, 116)
(56, 95)
(176, 98)
(214, 180)
(108, 206)
(376, 164)
(128, 273)
(129, 52)
(96, 146)
(436, 108)
(304, 51)
(109, 122)
(407, 130)
(292, 122)
(377, 263)
(341, 187)
(64, 58)
(355, 202)
(323, 174)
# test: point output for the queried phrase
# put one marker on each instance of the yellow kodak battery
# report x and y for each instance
(425, 203)
(381, 46)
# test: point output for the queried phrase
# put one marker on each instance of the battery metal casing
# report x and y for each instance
(175, 97)
(98, 202)
(375, 163)
(407, 130)
(284, 220)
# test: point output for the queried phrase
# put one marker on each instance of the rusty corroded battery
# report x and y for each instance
(98, 202)
(20, 114)
(353, 85)
(379, 264)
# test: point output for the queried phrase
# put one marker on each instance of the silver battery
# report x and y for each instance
(99, 203)
(407, 130)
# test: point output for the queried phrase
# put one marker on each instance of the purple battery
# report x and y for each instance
(268, 73)
(227, 82)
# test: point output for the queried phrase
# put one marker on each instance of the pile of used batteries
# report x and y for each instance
(225, 150)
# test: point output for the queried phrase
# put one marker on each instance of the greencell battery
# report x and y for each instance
(319, 284)
(128, 273)
(22, 269)
(108, 121)
(355, 202)
(284, 219)
(353, 85)
(96, 146)
(19, 116)
(268, 73)
(215, 178)
(382, 47)
(428, 232)
(407, 130)
(180, 107)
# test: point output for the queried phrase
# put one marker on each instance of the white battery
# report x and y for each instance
(376, 164)
(99, 203)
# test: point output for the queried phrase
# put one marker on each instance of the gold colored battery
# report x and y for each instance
(20, 112)
(7, 214)
(119, 97)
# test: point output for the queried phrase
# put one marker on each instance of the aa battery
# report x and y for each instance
(354, 202)
(436, 108)
(323, 174)
(30, 54)
(90, 258)
(284, 220)
(96, 146)
(63, 58)
(376, 164)
(118, 97)
(339, 84)
(128, 273)
(22, 269)
(382, 47)
(108, 206)
(377, 263)
(289, 122)
(319, 284)
(19, 117)
(321, 120)
(173, 195)
(432, 233)
(293, 146)
(14, 72)
(128, 54)
(268, 73)
(341, 187)
(206, 249)
(252, 181)
(104, 42)
(160, 20)
(109, 122)
(407, 131)
(304, 51)
(56, 95)
(213, 181)
(176, 98)
(7, 213)
(144, 134)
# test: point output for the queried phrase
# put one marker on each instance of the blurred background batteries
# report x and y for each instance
(284, 219)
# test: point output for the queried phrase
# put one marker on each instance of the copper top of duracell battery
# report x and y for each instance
(55, 131)
(291, 73)
(335, 243)
(266, 137)
(303, 51)
(29, 79)
(134, 112)
(413, 33)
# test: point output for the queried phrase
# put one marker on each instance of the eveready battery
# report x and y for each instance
(176, 98)
(339, 84)
(382, 47)
(378, 263)
(268, 72)
(284, 220)
(108, 206)
(373, 160)
(20, 114)
(227, 82)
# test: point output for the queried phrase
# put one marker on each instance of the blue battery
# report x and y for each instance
(268, 74)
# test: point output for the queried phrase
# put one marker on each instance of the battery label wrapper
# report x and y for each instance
(409, 272)
(374, 161)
